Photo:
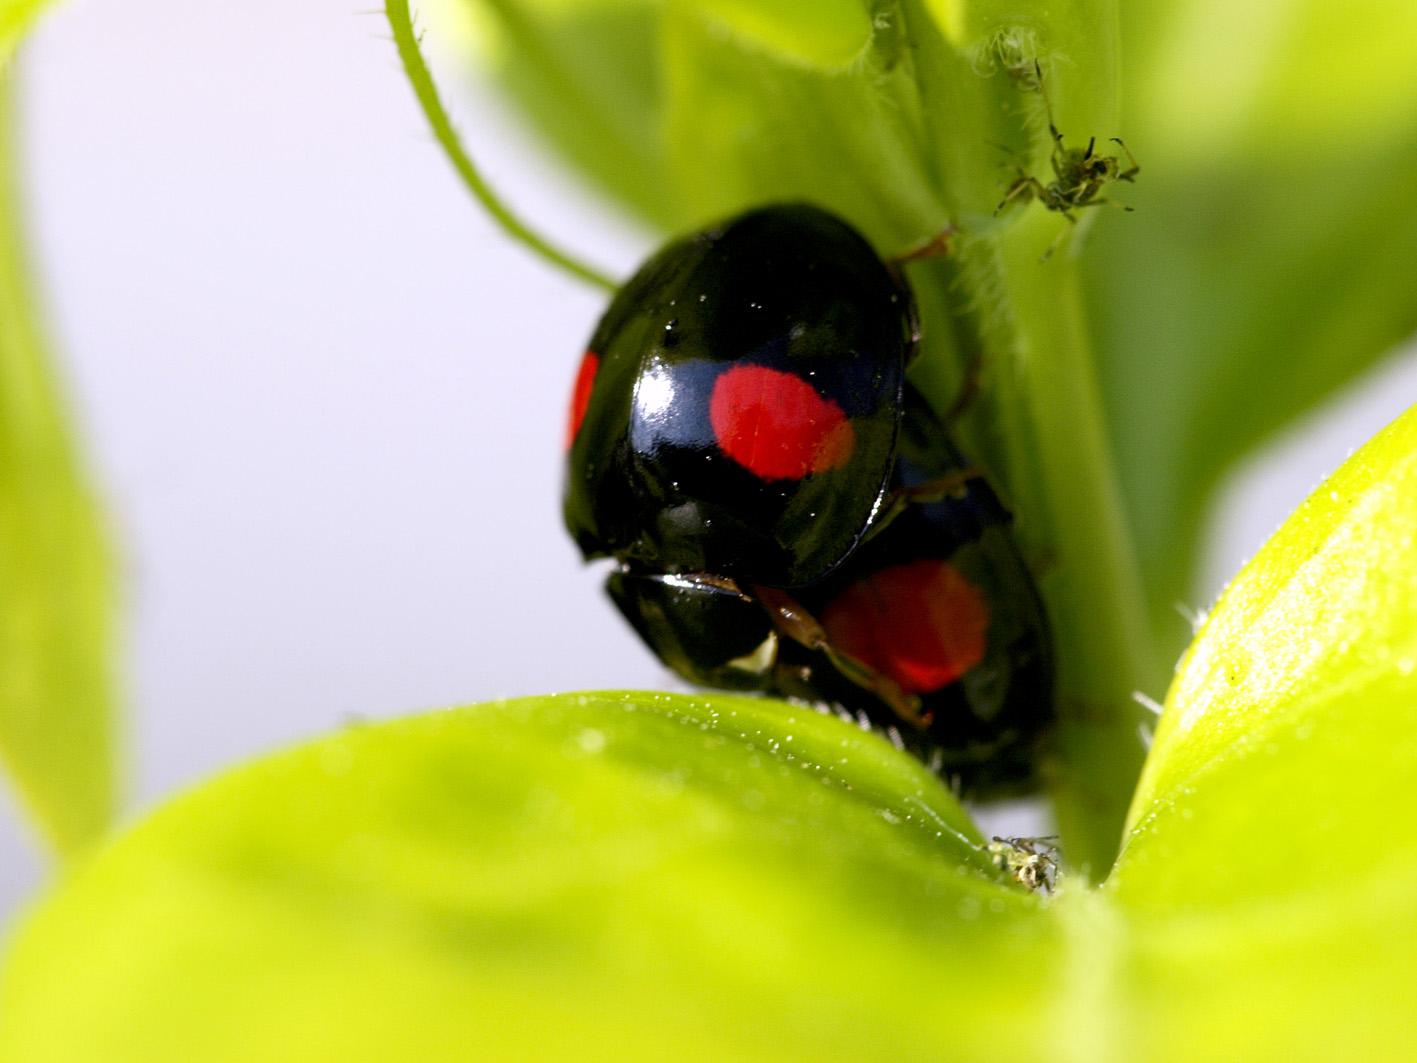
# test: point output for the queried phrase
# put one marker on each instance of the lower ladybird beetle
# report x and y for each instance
(788, 513)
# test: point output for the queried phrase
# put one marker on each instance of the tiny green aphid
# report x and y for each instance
(1079, 175)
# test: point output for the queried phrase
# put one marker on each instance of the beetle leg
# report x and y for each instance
(931, 247)
(912, 314)
(968, 389)
(939, 489)
(930, 491)
(796, 623)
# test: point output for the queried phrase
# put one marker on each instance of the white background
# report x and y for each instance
(324, 397)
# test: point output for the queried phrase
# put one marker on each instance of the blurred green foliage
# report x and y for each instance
(15, 19)
(57, 727)
(1271, 255)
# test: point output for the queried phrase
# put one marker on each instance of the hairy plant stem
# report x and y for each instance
(1093, 584)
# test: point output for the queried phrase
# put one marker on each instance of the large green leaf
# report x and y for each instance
(1323, 619)
(56, 712)
(1276, 808)
(596, 876)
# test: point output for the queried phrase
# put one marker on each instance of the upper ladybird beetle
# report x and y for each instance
(738, 407)
(788, 514)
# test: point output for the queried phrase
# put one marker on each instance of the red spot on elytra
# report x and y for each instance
(776, 426)
(580, 397)
(922, 624)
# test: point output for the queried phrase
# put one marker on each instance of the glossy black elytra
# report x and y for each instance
(788, 514)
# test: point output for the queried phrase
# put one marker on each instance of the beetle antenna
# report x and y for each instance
(401, 22)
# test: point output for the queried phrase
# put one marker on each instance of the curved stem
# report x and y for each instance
(59, 740)
(401, 22)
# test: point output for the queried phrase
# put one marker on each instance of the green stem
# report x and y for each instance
(1094, 584)
(401, 22)
(1039, 425)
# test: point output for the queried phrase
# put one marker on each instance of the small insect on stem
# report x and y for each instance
(1079, 174)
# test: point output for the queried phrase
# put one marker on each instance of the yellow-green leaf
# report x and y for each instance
(1269, 876)
(1329, 604)
(591, 877)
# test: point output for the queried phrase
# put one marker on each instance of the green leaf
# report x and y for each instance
(1269, 260)
(1269, 872)
(56, 712)
(596, 876)
(1327, 609)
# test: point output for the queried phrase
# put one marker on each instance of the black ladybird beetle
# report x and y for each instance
(788, 513)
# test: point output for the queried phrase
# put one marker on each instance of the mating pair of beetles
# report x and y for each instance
(787, 512)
